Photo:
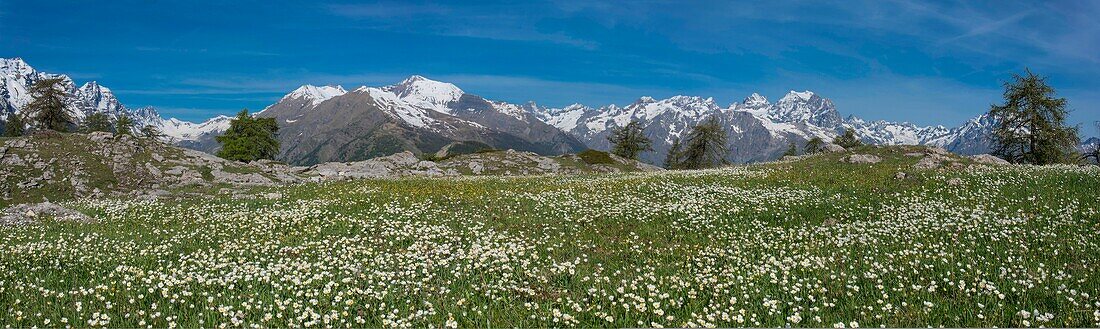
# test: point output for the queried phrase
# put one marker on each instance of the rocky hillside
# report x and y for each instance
(58, 166)
(490, 163)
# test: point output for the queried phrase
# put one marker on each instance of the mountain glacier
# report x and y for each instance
(327, 123)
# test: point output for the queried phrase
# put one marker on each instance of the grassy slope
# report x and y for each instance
(760, 245)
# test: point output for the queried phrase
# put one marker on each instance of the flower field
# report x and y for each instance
(810, 243)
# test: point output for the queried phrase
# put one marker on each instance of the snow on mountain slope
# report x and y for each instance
(804, 107)
(565, 118)
(425, 93)
(179, 130)
(399, 107)
(892, 133)
(17, 77)
(314, 94)
(796, 117)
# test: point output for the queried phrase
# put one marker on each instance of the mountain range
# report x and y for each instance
(329, 123)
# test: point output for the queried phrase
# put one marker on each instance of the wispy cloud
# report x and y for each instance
(272, 83)
(991, 26)
(518, 23)
(522, 89)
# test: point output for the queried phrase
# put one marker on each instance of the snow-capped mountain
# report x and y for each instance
(423, 93)
(758, 129)
(329, 123)
(418, 114)
(314, 94)
(17, 77)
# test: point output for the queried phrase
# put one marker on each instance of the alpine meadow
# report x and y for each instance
(943, 172)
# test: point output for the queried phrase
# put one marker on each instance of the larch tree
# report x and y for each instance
(814, 145)
(48, 109)
(14, 125)
(629, 141)
(848, 139)
(96, 122)
(792, 150)
(124, 125)
(705, 146)
(1030, 127)
(672, 159)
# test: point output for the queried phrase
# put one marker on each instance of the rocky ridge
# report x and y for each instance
(51, 166)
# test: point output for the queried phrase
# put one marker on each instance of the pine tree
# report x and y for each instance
(124, 125)
(249, 139)
(791, 150)
(13, 125)
(96, 122)
(814, 145)
(629, 141)
(672, 159)
(848, 139)
(1030, 126)
(705, 146)
(151, 132)
(48, 108)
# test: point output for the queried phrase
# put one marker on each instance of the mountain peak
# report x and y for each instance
(426, 93)
(316, 94)
(755, 100)
(577, 106)
(93, 86)
(15, 65)
(414, 78)
(422, 83)
(798, 96)
(13, 61)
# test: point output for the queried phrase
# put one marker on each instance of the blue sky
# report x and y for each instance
(923, 62)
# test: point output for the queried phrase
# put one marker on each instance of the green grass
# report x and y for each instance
(593, 157)
(817, 240)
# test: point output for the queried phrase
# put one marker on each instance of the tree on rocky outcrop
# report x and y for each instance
(848, 139)
(814, 145)
(672, 159)
(48, 109)
(629, 141)
(705, 146)
(96, 122)
(151, 132)
(1030, 127)
(249, 138)
(124, 125)
(13, 125)
(791, 150)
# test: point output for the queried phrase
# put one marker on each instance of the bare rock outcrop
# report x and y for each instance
(833, 148)
(24, 214)
(989, 160)
(862, 158)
